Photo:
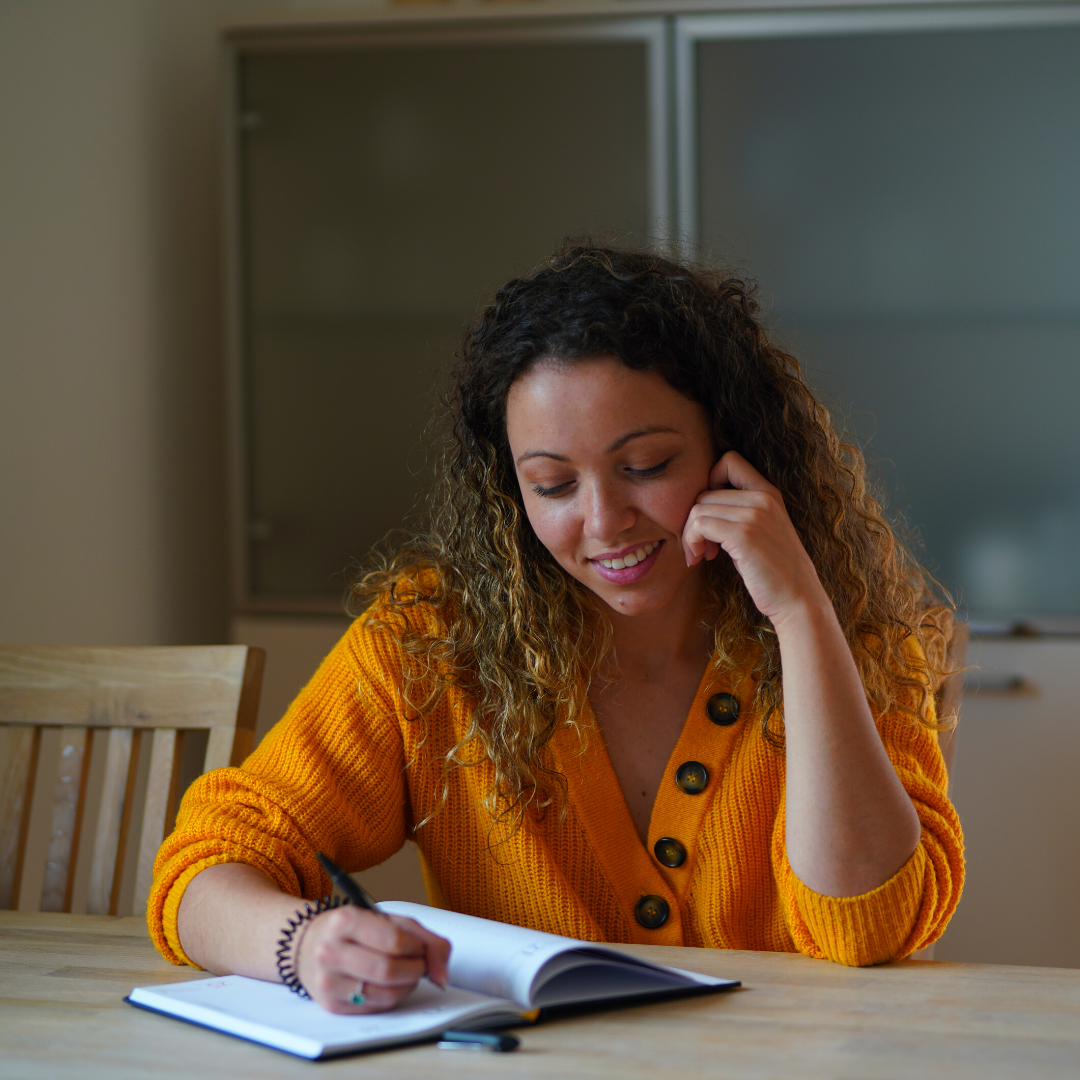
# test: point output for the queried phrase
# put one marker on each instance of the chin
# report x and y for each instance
(631, 602)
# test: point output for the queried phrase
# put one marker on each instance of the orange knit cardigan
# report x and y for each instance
(348, 773)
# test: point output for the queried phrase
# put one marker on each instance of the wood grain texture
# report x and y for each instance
(219, 749)
(34, 843)
(62, 978)
(127, 849)
(16, 749)
(188, 687)
(85, 838)
(65, 786)
(107, 835)
(152, 831)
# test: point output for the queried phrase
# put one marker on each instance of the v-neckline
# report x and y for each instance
(596, 798)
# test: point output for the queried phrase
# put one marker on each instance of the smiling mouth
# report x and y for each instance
(630, 558)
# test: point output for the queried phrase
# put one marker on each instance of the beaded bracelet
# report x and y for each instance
(286, 965)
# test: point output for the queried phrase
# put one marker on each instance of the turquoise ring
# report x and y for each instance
(358, 996)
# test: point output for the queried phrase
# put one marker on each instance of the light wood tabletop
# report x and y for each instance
(63, 977)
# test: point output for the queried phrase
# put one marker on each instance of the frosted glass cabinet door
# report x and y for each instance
(910, 203)
(384, 192)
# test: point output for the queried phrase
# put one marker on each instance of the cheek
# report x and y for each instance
(672, 507)
(552, 524)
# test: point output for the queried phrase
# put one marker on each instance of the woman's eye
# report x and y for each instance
(548, 492)
(656, 470)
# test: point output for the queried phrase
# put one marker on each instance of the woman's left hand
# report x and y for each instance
(743, 514)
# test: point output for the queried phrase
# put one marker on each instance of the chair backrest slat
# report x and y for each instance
(85, 835)
(218, 749)
(107, 835)
(127, 848)
(65, 807)
(91, 759)
(16, 747)
(34, 839)
(152, 828)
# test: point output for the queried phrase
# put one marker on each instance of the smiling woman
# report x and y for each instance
(657, 670)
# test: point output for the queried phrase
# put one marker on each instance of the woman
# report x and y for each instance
(658, 672)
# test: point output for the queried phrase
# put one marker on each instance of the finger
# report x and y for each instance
(436, 953)
(712, 515)
(733, 470)
(337, 994)
(700, 542)
(748, 498)
(373, 930)
(715, 526)
(358, 962)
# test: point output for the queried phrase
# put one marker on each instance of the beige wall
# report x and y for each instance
(110, 447)
(111, 450)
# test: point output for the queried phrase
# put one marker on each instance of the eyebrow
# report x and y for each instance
(618, 444)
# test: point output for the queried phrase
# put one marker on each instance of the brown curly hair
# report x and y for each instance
(502, 617)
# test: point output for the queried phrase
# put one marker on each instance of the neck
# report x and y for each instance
(647, 646)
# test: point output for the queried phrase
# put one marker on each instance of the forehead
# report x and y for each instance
(597, 399)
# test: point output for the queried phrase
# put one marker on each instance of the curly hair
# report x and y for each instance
(503, 619)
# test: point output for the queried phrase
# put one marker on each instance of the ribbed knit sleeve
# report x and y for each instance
(912, 908)
(328, 777)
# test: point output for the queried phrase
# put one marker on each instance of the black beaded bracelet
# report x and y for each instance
(285, 960)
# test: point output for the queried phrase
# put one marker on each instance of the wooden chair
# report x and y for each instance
(93, 763)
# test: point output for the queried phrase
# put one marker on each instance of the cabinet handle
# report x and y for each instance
(1001, 686)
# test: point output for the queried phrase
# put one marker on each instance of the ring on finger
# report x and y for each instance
(358, 994)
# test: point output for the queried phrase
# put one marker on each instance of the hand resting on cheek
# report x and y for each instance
(744, 515)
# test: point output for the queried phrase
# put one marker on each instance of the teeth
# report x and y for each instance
(632, 558)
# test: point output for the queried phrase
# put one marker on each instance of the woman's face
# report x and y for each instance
(610, 462)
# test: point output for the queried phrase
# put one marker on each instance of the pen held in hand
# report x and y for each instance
(355, 892)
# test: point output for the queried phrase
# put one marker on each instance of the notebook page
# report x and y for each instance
(272, 1014)
(489, 957)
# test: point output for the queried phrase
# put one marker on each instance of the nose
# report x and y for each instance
(607, 512)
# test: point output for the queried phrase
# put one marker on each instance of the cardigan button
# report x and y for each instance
(651, 912)
(722, 709)
(669, 852)
(692, 777)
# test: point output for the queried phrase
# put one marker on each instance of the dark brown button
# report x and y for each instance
(669, 852)
(651, 912)
(692, 777)
(722, 709)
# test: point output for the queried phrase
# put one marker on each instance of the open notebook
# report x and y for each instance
(498, 973)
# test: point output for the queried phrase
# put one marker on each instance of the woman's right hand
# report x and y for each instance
(348, 951)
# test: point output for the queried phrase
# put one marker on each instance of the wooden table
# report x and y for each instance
(62, 978)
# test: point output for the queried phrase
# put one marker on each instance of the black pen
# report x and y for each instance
(356, 893)
(495, 1041)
